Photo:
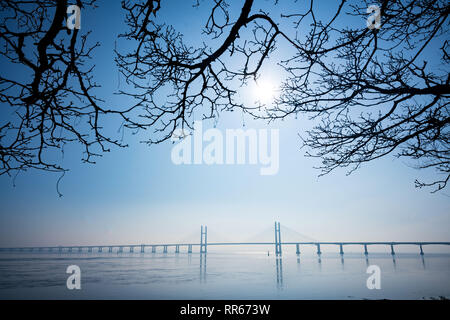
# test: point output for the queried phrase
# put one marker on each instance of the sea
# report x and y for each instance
(225, 275)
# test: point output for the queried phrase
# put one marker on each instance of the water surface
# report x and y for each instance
(247, 275)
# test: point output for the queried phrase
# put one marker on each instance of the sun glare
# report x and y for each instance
(264, 91)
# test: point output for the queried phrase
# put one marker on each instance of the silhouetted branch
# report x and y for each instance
(46, 88)
(199, 78)
(371, 91)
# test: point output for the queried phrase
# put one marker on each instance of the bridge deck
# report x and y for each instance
(343, 243)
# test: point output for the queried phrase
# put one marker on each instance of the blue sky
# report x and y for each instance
(137, 195)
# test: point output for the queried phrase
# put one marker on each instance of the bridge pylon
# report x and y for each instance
(203, 240)
(277, 239)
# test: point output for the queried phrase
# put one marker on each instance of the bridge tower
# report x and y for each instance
(203, 240)
(277, 239)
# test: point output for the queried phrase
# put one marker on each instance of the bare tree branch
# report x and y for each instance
(46, 88)
(370, 91)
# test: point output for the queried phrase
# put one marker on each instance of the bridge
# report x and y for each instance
(204, 244)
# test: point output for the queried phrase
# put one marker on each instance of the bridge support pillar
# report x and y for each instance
(318, 248)
(177, 249)
(298, 249)
(341, 249)
(110, 249)
(100, 249)
(203, 240)
(165, 249)
(277, 239)
(131, 249)
(421, 250)
(153, 249)
(90, 249)
(190, 248)
(80, 249)
(142, 248)
(392, 249)
(120, 249)
(365, 250)
(70, 249)
(60, 249)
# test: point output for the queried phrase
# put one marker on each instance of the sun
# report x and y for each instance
(264, 91)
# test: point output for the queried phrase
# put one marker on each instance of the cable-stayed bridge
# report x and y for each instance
(204, 244)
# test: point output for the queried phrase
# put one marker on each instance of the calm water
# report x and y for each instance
(250, 275)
